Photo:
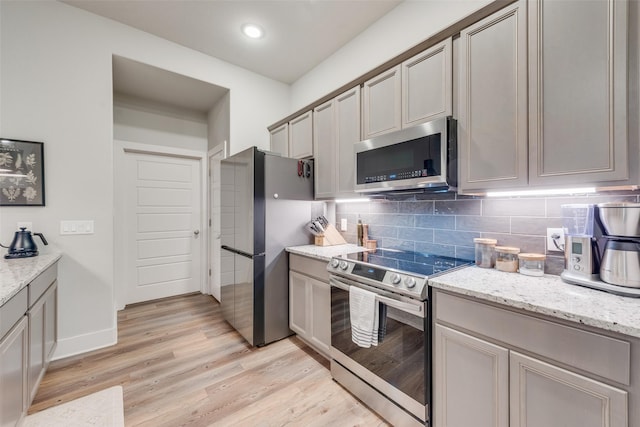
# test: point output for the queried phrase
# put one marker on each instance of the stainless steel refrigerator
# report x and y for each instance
(265, 204)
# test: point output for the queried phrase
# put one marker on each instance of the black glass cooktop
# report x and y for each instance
(411, 262)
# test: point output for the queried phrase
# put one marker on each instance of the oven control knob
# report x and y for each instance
(344, 265)
(334, 263)
(395, 278)
(409, 282)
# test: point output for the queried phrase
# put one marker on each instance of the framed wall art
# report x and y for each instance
(21, 173)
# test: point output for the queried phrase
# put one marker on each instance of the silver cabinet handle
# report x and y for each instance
(196, 232)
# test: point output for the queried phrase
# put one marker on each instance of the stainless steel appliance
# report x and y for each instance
(265, 205)
(394, 377)
(418, 158)
(602, 247)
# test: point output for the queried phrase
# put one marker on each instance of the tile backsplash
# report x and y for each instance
(446, 223)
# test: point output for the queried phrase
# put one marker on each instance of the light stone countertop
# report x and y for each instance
(324, 253)
(547, 295)
(17, 273)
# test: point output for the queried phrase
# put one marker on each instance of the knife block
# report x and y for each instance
(330, 237)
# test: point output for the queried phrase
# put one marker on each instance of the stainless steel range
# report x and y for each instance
(394, 376)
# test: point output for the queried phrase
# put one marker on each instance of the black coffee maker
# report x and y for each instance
(23, 245)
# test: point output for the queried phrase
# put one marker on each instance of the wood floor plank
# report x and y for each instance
(181, 364)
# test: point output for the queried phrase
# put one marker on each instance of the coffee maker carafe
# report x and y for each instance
(602, 247)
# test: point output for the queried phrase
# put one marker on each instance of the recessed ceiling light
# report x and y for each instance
(253, 31)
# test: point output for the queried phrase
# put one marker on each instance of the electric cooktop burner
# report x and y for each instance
(397, 271)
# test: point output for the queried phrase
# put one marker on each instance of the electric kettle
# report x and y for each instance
(23, 245)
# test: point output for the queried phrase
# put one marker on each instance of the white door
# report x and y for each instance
(162, 226)
(215, 156)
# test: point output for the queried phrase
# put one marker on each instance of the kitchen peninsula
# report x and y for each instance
(28, 327)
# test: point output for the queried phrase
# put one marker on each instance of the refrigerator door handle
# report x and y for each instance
(239, 252)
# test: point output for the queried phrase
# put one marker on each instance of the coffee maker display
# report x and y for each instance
(602, 247)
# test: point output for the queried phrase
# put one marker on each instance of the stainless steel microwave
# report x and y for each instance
(420, 158)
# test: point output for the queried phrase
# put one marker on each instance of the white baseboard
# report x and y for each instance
(72, 346)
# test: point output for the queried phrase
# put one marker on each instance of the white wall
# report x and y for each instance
(405, 26)
(158, 125)
(56, 87)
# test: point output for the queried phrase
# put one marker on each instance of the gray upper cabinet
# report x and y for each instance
(301, 136)
(578, 91)
(324, 150)
(427, 85)
(280, 140)
(492, 97)
(382, 108)
(336, 126)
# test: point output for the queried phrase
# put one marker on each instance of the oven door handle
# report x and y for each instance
(400, 305)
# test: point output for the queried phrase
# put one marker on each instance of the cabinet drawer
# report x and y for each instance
(12, 311)
(309, 266)
(598, 354)
(40, 284)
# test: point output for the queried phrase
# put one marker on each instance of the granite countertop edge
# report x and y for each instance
(324, 253)
(16, 274)
(547, 295)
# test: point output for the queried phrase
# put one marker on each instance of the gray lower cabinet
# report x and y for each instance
(336, 128)
(28, 326)
(42, 336)
(14, 348)
(310, 302)
(496, 368)
(471, 381)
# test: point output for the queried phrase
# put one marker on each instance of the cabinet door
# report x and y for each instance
(13, 374)
(578, 91)
(50, 322)
(545, 395)
(492, 96)
(427, 85)
(280, 140)
(324, 150)
(320, 308)
(471, 381)
(36, 345)
(301, 136)
(382, 106)
(347, 109)
(298, 321)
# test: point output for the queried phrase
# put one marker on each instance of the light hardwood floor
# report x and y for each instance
(180, 363)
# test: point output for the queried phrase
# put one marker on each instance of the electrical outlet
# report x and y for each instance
(555, 239)
(343, 224)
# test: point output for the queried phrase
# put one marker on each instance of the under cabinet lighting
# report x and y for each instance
(361, 200)
(548, 192)
(13, 175)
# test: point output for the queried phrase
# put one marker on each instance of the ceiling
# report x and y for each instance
(299, 33)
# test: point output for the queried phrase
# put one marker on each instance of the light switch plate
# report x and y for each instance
(77, 227)
(343, 224)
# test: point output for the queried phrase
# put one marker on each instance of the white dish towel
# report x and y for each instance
(364, 315)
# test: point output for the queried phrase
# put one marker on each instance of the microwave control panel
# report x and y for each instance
(396, 176)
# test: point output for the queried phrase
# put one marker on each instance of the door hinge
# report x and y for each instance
(209, 222)
(209, 272)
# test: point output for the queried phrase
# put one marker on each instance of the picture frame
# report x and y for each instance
(21, 173)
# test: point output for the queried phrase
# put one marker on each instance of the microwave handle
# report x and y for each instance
(402, 306)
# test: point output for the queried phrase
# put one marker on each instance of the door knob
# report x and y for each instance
(196, 232)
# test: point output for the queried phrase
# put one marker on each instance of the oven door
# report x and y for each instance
(398, 367)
